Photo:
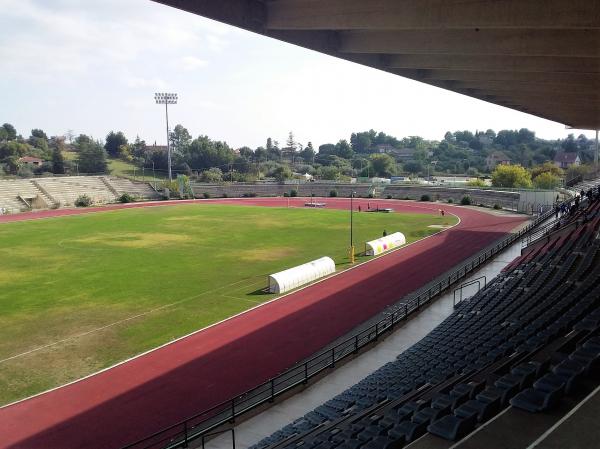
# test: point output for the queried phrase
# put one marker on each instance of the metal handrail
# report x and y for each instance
(180, 434)
(467, 284)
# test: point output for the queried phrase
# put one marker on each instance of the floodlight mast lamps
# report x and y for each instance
(167, 99)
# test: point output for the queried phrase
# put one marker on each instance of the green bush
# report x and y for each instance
(370, 195)
(286, 195)
(83, 201)
(225, 195)
(249, 194)
(293, 192)
(450, 201)
(389, 197)
(497, 207)
(466, 201)
(425, 198)
(333, 193)
(126, 198)
(206, 195)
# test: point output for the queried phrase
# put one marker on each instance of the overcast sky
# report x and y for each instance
(93, 66)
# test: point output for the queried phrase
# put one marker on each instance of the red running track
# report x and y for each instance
(134, 399)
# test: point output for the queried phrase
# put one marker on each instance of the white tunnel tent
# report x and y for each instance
(302, 274)
(379, 246)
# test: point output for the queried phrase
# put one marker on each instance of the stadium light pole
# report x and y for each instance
(352, 227)
(167, 99)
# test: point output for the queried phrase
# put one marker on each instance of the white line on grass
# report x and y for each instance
(237, 314)
(124, 320)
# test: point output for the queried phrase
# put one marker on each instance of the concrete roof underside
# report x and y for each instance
(538, 57)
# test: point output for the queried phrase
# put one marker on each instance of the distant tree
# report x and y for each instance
(204, 153)
(39, 134)
(546, 167)
(10, 133)
(282, 172)
(246, 153)
(361, 142)
(212, 175)
(476, 183)
(125, 153)
(583, 142)
(179, 139)
(290, 142)
(138, 147)
(308, 153)
(343, 149)
(382, 165)
(269, 144)
(507, 138)
(70, 135)
(260, 154)
(113, 142)
(331, 173)
(546, 180)
(327, 148)
(58, 161)
(91, 157)
(12, 148)
(511, 176)
(413, 167)
(38, 139)
(569, 144)
(526, 136)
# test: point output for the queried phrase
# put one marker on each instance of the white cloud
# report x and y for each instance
(193, 63)
(140, 82)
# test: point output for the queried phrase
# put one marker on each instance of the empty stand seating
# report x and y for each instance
(526, 340)
(18, 195)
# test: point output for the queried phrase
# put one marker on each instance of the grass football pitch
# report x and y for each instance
(80, 293)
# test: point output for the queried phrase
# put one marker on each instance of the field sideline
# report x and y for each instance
(80, 293)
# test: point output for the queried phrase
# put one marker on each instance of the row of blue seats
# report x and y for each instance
(519, 312)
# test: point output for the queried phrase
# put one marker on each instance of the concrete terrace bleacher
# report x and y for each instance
(525, 341)
(18, 195)
(238, 190)
(487, 197)
(66, 190)
(141, 190)
(12, 190)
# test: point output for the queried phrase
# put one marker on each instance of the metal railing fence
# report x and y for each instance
(180, 435)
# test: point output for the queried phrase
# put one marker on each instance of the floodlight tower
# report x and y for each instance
(167, 99)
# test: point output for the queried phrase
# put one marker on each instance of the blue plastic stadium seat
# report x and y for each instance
(571, 372)
(451, 427)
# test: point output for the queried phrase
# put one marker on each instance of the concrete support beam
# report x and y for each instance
(541, 64)
(248, 14)
(575, 43)
(521, 86)
(431, 14)
(586, 79)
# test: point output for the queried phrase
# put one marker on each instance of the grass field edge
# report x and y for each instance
(337, 273)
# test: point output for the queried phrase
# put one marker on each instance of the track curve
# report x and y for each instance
(136, 398)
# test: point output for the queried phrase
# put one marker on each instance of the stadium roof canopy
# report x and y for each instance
(538, 57)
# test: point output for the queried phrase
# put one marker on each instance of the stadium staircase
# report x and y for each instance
(528, 341)
(20, 195)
